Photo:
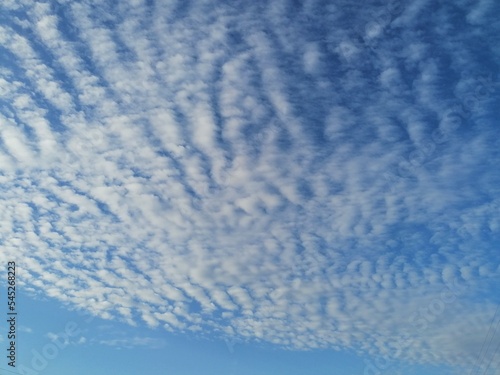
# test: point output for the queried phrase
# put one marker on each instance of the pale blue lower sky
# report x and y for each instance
(162, 352)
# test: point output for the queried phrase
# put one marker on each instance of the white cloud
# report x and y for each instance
(228, 172)
(25, 329)
(130, 343)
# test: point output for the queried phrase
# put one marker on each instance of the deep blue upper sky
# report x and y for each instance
(316, 181)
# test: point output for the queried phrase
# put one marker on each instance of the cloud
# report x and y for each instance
(25, 329)
(255, 172)
(63, 340)
(130, 343)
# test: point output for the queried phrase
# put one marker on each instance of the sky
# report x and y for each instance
(251, 187)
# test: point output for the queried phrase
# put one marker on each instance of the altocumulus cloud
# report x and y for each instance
(322, 175)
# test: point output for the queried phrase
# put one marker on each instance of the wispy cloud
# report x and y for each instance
(25, 329)
(266, 171)
(133, 342)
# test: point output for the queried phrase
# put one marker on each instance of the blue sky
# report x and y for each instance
(252, 187)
